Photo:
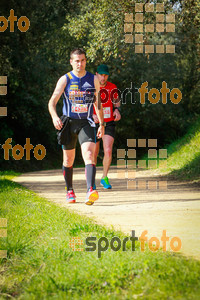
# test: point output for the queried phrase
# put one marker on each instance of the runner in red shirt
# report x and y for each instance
(111, 105)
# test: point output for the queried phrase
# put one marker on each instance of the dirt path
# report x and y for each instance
(175, 209)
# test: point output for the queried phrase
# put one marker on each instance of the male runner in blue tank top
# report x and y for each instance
(78, 88)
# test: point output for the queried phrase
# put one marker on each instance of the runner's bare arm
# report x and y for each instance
(95, 117)
(116, 115)
(59, 89)
(116, 104)
(98, 107)
(97, 103)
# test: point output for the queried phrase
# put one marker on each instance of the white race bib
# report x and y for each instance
(79, 108)
(106, 112)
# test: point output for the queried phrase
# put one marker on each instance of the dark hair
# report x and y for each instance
(77, 51)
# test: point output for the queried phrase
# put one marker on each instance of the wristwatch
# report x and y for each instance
(102, 124)
(119, 108)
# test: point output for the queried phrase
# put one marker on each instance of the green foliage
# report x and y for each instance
(33, 62)
(184, 155)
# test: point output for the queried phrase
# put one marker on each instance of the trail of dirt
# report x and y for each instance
(175, 209)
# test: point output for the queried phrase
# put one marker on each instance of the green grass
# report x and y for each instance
(8, 174)
(41, 265)
(184, 155)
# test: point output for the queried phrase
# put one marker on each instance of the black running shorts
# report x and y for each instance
(109, 129)
(82, 130)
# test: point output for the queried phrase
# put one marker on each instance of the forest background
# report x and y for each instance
(34, 60)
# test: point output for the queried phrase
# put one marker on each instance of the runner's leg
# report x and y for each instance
(87, 139)
(88, 150)
(96, 152)
(68, 160)
(107, 147)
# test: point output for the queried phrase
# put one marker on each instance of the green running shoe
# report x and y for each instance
(105, 183)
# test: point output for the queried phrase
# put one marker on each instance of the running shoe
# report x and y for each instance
(105, 183)
(71, 198)
(91, 196)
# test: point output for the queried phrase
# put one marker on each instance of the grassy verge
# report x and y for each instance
(184, 155)
(41, 265)
(183, 160)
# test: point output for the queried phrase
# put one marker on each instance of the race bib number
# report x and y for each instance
(106, 112)
(79, 108)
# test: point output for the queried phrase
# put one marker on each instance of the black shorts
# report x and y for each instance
(109, 129)
(82, 130)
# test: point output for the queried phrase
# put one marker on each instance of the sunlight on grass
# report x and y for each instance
(184, 155)
(8, 174)
(41, 265)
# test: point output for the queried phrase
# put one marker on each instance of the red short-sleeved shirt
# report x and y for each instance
(108, 94)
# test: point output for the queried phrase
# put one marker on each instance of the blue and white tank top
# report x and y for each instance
(78, 97)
